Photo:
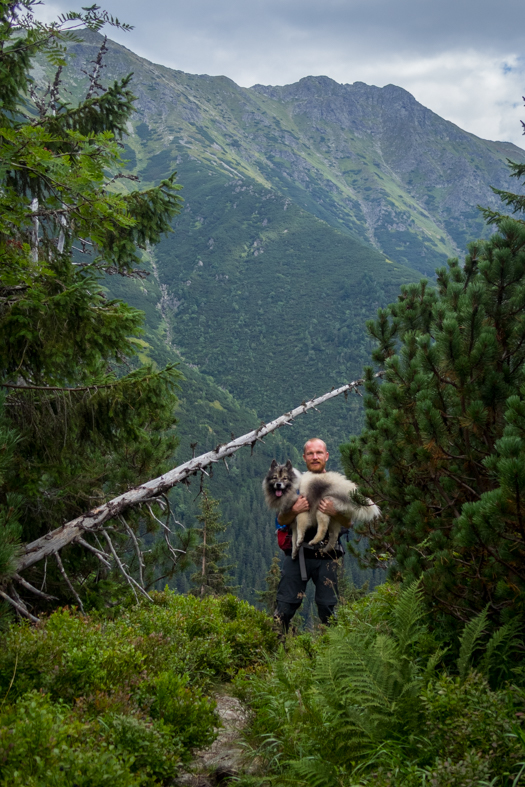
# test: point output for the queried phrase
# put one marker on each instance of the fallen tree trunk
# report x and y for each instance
(72, 531)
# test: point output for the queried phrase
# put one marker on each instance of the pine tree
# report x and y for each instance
(443, 450)
(89, 420)
(268, 597)
(209, 555)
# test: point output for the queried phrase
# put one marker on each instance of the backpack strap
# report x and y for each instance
(302, 564)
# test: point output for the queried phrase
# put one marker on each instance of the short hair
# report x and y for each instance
(311, 440)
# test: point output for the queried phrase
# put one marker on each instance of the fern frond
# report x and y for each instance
(367, 687)
(498, 652)
(407, 614)
(433, 661)
(315, 772)
(472, 632)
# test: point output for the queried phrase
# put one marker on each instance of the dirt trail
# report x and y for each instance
(223, 759)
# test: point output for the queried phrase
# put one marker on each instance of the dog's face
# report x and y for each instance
(280, 478)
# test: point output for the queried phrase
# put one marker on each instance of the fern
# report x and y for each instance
(498, 656)
(369, 682)
(433, 660)
(316, 772)
(472, 632)
(408, 613)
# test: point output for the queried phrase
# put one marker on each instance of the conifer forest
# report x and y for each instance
(195, 278)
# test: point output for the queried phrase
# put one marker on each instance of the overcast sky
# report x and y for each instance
(465, 59)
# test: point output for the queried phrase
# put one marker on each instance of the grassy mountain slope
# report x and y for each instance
(267, 299)
(255, 290)
(370, 161)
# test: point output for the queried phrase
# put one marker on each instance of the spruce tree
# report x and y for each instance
(89, 420)
(268, 597)
(209, 555)
(443, 450)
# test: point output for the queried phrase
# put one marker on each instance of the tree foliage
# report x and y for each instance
(443, 447)
(84, 420)
(211, 578)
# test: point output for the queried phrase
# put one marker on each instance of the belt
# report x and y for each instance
(312, 554)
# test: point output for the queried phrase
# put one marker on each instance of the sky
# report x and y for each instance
(464, 59)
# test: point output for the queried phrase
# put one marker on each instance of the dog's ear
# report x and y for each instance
(288, 465)
(273, 465)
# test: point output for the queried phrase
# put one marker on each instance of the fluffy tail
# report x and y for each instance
(364, 509)
(367, 512)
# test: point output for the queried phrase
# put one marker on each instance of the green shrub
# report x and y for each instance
(132, 688)
(71, 656)
(151, 743)
(463, 717)
(363, 705)
(43, 744)
(185, 710)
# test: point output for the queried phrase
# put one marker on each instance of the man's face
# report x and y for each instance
(316, 456)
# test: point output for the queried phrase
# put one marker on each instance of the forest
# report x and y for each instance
(122, 625)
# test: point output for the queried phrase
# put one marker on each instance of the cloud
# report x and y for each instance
(460, 58)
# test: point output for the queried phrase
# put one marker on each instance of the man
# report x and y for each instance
(321, 568)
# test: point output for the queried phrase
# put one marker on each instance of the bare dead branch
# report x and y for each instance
(94, 519)
(102, 556)
(21, 608)
(94, 387)
(129, 579)
(167, 533)
(36, 591)
(68, 581)
(138, 551)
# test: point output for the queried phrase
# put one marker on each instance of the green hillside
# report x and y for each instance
(370, 161)
(306, 208)
(267, 299)
(207, 415)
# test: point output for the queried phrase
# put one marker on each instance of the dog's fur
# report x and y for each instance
(281, 486)
(280, 489)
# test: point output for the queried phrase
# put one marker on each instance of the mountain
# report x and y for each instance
(371, 162)
(306, 208)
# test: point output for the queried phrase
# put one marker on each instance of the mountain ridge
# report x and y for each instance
(372, 162)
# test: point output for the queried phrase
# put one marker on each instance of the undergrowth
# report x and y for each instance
(379, 700)
(88, 702)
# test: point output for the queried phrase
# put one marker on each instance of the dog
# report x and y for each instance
(281, 486)
(284, 483)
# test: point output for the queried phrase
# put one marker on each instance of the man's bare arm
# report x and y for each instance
(287, 517)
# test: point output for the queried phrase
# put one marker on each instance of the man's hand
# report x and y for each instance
(328, 508)
(299, 507)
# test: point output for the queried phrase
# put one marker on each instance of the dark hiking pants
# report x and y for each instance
(292, 589)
